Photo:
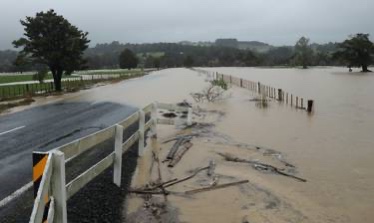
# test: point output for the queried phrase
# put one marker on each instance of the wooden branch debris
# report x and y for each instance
(215, 187)
(187, 177)
(160, 189)
(180, 153)
(189, 136)
(179, 148)
(212, 167)
(175, 148)
(260, 166)
(149, 192)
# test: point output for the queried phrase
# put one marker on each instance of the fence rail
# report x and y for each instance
(265, 90)
(53, 192)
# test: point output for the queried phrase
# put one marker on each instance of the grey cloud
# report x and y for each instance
(277, 22)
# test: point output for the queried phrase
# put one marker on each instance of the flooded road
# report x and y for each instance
(333, 148)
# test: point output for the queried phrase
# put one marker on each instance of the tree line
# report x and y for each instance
(43, 47)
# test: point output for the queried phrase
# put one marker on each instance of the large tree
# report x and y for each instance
(356, 52)
(188, 61)
(51, 40)
(128, 60)
(303, 52)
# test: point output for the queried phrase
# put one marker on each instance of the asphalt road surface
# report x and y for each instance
(49, 126)
(44, 128)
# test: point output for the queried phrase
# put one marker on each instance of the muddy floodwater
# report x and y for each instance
(333, 148)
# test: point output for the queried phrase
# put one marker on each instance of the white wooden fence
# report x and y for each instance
(53, 187)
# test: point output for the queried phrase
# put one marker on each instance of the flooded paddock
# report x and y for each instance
(333, 147)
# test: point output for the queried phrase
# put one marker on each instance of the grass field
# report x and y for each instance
(21, 90)
(109, 72)
(20, 78)
(29, 77)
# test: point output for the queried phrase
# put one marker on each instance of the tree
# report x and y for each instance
(51, 40)
(356, 52)
(303, 52)
(21, 63)
(188, 61)
(128, 60)
(40, 75)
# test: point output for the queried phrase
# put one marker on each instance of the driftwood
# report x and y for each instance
(212, 167)
(175, 148)
(186, 178)
(159, 185)
(155, 157)
(180, 137)
(186, 145)
(149, 192)
(260, 166)
(215, 187)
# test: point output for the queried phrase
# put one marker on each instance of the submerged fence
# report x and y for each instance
(268, 91)
(51, 190)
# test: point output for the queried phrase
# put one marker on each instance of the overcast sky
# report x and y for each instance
(278, 22)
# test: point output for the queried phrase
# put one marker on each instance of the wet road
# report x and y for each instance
(60, 119)
(44, 128)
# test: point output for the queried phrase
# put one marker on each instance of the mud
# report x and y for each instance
(250, 202)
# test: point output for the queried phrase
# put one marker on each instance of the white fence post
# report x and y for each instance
(59, 187)
(141, 132)
(189, 117)
(117, 164)
(154, 119)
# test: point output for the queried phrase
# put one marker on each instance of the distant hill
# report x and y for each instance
(257, 46)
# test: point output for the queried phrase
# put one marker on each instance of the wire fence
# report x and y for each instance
(277, 94)
(70, 84)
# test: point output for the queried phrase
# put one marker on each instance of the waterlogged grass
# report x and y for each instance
(109, 72)
(10, 78)
(21, 90)
(21, 78)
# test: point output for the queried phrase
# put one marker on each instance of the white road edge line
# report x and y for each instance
(15, 194)
(12, 130)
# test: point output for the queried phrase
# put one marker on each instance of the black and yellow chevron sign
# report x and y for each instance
(39, 163)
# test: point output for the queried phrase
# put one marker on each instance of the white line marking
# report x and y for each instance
(12, 130)
(15, 194)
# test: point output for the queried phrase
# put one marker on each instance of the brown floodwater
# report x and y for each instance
(333, 148)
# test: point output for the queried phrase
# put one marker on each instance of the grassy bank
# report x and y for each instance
(29, 77)
(21, 78)
(22, 90)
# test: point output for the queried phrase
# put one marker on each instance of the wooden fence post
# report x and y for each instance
(59, 186)
(280, 95)
(154, 118)
(297, 102)
(291, 100)
(259, 87)
(141, 132)
(189, 117)
(302, 103)
(117, 163)
(310, 106)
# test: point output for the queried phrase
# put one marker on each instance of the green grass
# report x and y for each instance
(109, 72)
(20, 90)
(20, 78)
(152, 54)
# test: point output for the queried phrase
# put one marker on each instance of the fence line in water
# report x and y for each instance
(277, 94)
